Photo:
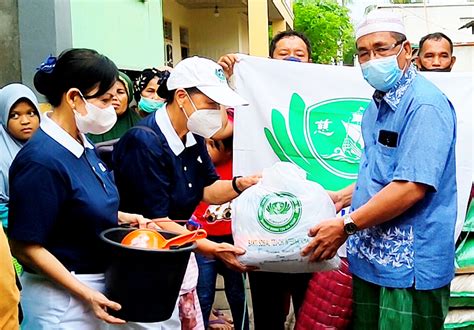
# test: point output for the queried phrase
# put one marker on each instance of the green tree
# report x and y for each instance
(329, 29)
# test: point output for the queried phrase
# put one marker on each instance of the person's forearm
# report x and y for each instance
(223, 251)
(345, 195)
(204, 246)
(341, 198)
(121, 216)
(43, 262)
(393, 200)
(223, 191)
(219, 192)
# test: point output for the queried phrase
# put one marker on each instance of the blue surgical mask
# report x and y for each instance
(292, 59)
(149, 105)
(382, 73)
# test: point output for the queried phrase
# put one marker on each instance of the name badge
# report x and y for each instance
(102, 167)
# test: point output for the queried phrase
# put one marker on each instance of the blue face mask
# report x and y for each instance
(149, 105)
(292, 59)
(382, 73)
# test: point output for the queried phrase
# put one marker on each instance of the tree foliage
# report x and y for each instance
(329, 29)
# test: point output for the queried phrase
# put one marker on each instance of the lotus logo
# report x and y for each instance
(323, 139)
(278, 208)
(220, 74)
(279, 212)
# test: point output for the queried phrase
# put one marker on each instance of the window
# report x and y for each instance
(168, 30)
(184, 40)
(184, 36)
(169, 54)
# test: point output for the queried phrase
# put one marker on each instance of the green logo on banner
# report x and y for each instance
(323, 139)
(279, 212)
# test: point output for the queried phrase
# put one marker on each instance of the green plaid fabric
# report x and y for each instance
(16, 264)
(18, 267)
(376, 307)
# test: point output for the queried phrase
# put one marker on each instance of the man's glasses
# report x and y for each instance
(381, 51)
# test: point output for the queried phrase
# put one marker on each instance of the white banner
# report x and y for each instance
(309, 114)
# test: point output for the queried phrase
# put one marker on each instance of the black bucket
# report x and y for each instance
(145, 282)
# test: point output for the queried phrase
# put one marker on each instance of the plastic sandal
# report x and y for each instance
(221, 315)
(219, 323)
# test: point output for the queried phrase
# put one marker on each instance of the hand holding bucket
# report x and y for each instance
(133, 271)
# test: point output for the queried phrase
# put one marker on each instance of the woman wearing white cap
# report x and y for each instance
(172, 170)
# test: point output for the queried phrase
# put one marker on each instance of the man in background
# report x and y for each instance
(287, 45)
(436, 53)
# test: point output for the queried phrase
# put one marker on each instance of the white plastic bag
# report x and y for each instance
(271, 220)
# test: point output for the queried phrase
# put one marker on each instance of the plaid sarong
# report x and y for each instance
(376, 307)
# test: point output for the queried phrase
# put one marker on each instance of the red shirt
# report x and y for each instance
(215, 219)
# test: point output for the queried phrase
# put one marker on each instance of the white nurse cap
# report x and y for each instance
(380, 21)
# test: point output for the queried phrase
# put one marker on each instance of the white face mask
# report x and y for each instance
(96, 120)
(204, 122)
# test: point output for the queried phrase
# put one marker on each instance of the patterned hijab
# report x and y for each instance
(9, 146)
(144, 78)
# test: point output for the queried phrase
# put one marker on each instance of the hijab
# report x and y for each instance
(127, 82)
(125, 121)
(10, 146)
(144, 78)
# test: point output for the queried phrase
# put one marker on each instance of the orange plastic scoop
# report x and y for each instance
(185, 238)
(143, 238)
(151, 239)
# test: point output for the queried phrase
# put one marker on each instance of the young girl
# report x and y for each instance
(19, 119)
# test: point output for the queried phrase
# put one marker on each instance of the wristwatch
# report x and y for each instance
(350, 228)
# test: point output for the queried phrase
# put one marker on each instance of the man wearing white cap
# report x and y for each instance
(403, 205)
(162, 166)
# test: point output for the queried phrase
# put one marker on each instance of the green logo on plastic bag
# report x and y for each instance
(279, 212)
(323, 139)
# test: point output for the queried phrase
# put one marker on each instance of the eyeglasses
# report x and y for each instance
(381, 51)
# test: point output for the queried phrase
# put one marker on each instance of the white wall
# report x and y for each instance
(212, 36)
(179, 17)
(243, 33)
(464, 58)
(420, 20)
(129, 32)
(209, 36)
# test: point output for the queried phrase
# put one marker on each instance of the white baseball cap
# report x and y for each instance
(208, 77)
(380, 21)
